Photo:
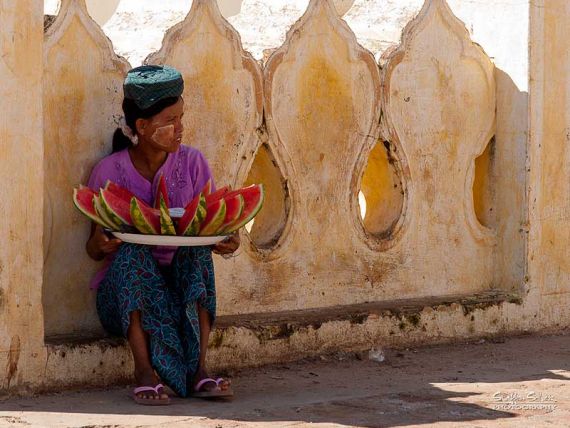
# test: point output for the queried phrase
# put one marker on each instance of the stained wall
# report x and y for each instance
(439, 127)
(422, 144)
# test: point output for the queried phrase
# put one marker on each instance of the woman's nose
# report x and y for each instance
(179, 126)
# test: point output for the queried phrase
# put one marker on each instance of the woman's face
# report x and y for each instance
(164, 130)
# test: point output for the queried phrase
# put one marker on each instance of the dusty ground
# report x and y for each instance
(445, 386)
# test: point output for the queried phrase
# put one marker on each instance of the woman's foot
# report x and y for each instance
(211, 387)
(149, 379)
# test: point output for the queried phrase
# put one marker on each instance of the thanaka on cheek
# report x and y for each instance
(164, 136)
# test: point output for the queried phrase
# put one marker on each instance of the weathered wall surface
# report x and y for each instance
(321, 119)
(502, 30)
(322, 97)
(549, 157)
(82, 103)
(21, 193)
(427, 204)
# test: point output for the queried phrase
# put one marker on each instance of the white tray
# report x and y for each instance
(168, 240)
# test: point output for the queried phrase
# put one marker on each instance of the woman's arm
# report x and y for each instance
(99, 244)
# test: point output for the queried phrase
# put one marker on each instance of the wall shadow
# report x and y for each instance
(431, 384)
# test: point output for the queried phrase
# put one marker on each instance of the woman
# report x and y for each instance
(162, 299)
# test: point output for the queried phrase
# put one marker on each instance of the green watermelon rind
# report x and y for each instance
(242, 222)
(166, 223)
(113, 215)
(139, 220)
(91, 215)
(103, 213)
(228, 222)
(193, 226)
(211, 228)
(202, 212)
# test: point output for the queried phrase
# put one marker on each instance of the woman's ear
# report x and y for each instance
(141, 126)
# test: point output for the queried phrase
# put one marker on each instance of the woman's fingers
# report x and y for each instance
(111, 246)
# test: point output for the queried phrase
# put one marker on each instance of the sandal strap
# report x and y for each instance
(203, 382)
(154, 389)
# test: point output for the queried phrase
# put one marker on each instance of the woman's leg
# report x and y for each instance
(193, 271)
(138, 341)
(134, 301)
(202, 371)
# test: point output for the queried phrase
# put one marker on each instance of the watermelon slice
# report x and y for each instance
(253, 201)
(83, 200)
(117, 208)
(214, 218)
(103, 214)
(202, 211)
(161, 191)
(207, 188)
(218, 194)
(119, 191)
(145, 218)
(234, 209)
(194, 213)
(166, 223)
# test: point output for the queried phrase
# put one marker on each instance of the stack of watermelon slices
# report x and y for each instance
(209, 213)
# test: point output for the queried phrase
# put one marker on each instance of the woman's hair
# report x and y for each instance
(132, 113)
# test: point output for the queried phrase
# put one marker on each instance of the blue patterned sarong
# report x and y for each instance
(167, 299)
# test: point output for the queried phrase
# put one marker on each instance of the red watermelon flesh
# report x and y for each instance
(119, 191)
(234, 209)
(253, 201)
(117, 208)
(161, 190)
(218, 194)
(83, 200)
(215, 216)
(187, 226)
(145, 218)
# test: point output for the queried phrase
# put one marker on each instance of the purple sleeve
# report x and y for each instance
(201, 174)
(98, 178)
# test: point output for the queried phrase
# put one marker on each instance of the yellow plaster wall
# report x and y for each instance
(82, 103)
(306, 268)
(21, 193)
(549, 154)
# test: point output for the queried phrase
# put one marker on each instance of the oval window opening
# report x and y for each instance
(381, 196)
(483, 191)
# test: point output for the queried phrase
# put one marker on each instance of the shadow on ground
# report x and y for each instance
(422, 386)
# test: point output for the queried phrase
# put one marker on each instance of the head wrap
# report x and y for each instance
(149, 84)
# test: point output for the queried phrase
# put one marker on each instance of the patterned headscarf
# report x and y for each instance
(149, 84)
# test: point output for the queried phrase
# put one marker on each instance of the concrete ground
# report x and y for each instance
(517, 382)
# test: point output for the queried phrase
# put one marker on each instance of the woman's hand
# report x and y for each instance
(100, 245)
(228, 245)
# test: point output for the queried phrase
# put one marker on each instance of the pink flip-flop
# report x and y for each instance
(158, 389)
(214, 393)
